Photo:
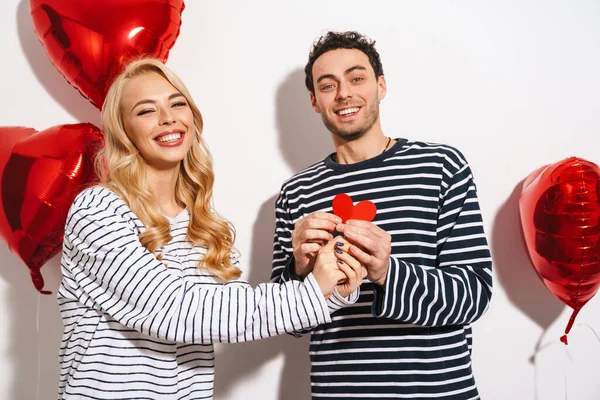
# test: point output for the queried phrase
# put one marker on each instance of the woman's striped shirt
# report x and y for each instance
(137, 327)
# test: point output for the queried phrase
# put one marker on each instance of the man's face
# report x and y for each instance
(347, 92)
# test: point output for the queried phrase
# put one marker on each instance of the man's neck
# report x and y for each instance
(368, 146)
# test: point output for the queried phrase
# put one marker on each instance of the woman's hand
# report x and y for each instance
(326, 270)
(350, 266)
(334, 266)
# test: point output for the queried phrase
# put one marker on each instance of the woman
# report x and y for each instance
(149, 271)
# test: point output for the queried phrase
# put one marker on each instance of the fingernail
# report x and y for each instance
(340, 244)
(340, 261)
(338, 251)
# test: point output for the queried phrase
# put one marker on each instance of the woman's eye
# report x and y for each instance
(179, 104)
(143, 112)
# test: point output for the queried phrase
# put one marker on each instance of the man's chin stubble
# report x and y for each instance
(347, 136)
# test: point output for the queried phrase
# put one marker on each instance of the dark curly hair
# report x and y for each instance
(342, 40)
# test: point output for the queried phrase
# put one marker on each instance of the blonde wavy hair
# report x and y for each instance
(121, 168)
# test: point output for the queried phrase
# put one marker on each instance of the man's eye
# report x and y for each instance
(357, 79)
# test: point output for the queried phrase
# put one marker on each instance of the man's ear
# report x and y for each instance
(382, 87)
(313, 102)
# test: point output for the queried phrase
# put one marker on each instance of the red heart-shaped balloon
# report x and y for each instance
(41, 175)
(344, 207)
(90, 41)
(560, 217)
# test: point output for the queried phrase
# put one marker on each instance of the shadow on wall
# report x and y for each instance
(514, 269)
(303, 141)
(48, 76)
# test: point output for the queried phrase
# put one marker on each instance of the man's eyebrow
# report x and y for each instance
(349, 70)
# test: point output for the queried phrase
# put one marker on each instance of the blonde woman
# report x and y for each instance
(150, 277)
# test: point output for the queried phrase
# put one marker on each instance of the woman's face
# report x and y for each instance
(158, 120)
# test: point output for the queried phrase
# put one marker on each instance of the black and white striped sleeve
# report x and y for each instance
(111, 271)
(458, 290)
(283, 269)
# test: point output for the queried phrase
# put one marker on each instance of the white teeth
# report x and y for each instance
(169, 138)
(348, 111)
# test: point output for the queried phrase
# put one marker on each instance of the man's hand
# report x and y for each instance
(310, 234)
(371, 246)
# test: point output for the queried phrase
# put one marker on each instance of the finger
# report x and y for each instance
(319, 224)
(320, 242)
(330, 246)
(349, 273)
(314, 235)
(377, 231)
(344, 245)
(361, 231)
(341, 244)
(368, 243)
(339, 276)
(358, 231)
(350, 261)
(308, 248)
(325, 216)
(363, 272)
(319, 220)
(363, 257)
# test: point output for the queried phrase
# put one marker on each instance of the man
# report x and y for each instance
(428, 264)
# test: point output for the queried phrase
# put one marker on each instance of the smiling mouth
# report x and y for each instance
(347, 111)
(170, 138)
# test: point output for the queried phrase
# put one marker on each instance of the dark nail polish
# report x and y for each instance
(338, 251)
(340, 244)
(340, 261)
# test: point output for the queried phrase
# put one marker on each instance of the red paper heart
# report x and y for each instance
(344, 207)
(560, 217)
(90, 41)
(41, 175)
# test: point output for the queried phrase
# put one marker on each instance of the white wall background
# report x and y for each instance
(513, 84)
